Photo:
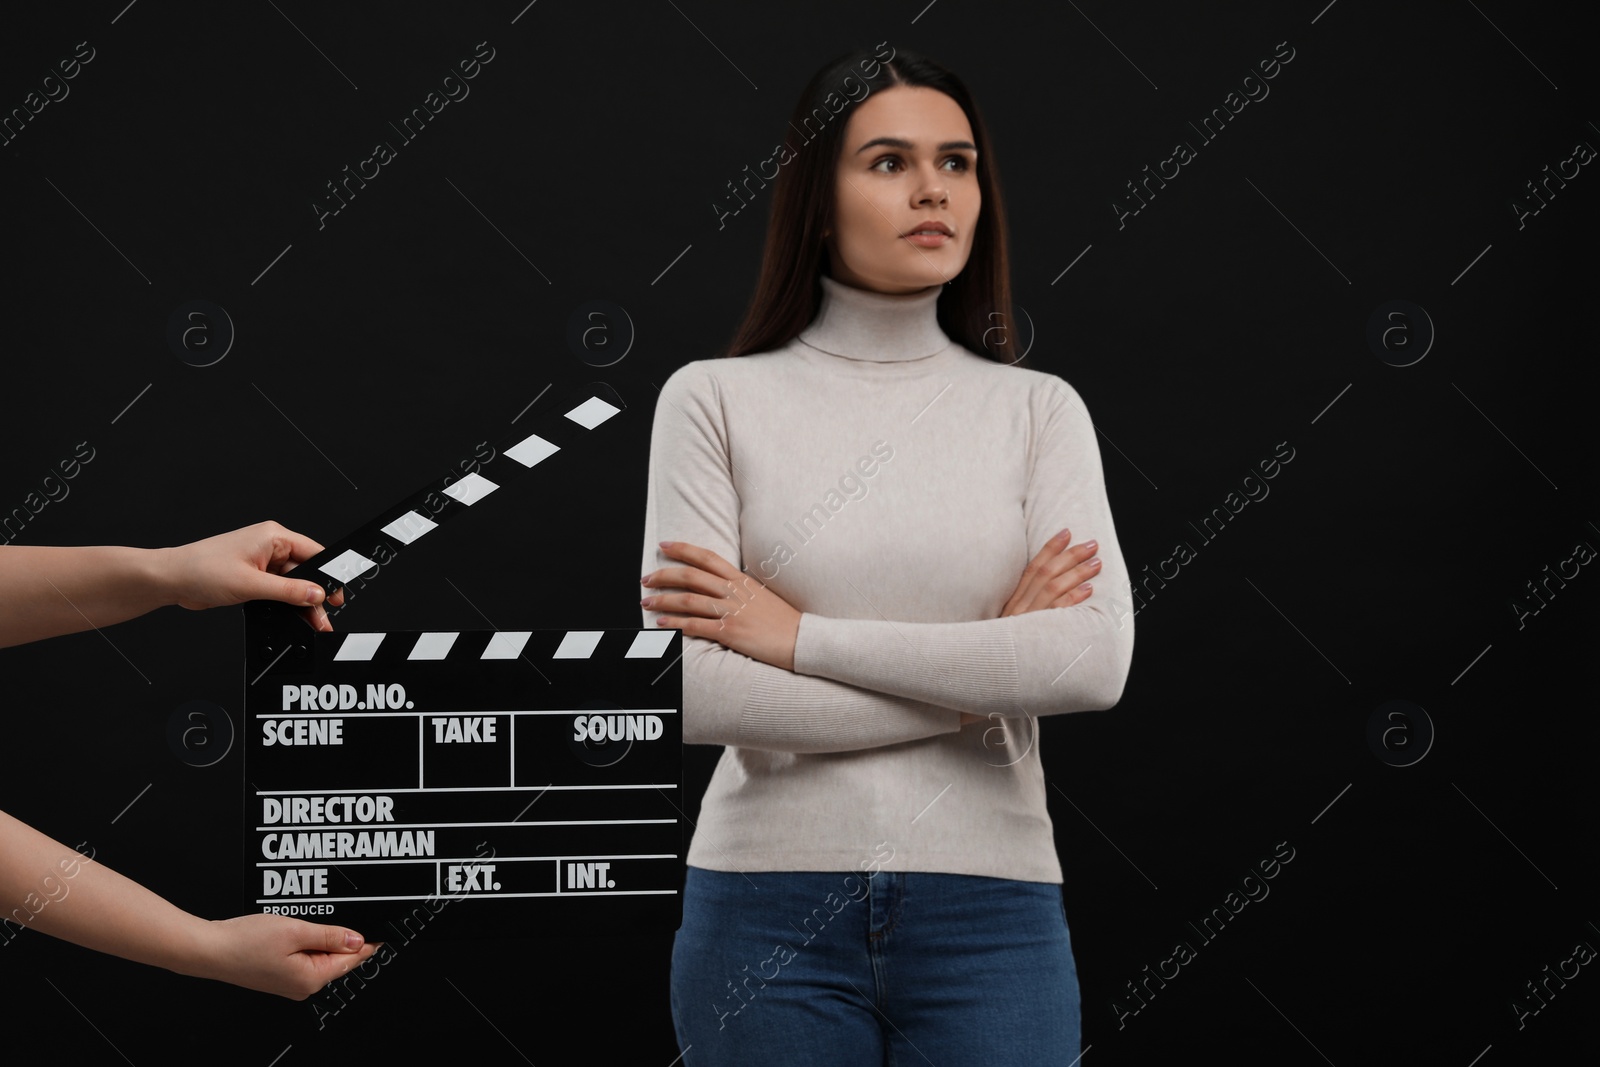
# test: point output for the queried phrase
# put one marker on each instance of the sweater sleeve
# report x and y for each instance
(1039, 663)
(729, 698)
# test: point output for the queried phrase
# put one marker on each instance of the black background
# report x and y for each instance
(1229, 315)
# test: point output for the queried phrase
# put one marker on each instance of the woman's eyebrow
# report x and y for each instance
(900, 142)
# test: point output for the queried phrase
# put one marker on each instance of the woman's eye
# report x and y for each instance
(960, 162)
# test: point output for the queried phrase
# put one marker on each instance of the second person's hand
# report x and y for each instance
(247, 564)
(276, 954)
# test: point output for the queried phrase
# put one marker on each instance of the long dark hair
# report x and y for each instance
(975, 307)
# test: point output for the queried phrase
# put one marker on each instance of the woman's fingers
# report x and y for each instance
(1073, 586)
(701, 558)
(733, 608)
(1026, 587)
(693, 580)
(711, 587)
(1055, 576)
(704, 607)
(1038, 571)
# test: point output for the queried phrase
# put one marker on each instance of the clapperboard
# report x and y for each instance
(508, 782)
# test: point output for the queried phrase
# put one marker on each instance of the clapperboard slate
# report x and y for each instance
(509, 783)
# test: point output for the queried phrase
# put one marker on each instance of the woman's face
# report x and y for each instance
(908, 161)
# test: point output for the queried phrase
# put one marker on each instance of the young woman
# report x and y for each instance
(861, 524)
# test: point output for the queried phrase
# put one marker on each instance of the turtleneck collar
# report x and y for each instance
(861, 324)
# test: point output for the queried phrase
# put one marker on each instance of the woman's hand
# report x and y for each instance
(723, 604)
(1058, 577)
(277, 954)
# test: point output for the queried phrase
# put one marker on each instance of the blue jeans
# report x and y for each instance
(840, 969)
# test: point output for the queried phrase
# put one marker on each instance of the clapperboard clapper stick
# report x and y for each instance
(473, 783)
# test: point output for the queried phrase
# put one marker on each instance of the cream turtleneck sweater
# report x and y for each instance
(891, 486)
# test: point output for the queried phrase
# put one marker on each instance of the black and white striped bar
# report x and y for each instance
(555, 429)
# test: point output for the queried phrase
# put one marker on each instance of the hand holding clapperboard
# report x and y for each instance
(529, 780)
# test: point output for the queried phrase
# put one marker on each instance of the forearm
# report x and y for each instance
(731, 699)
(46, 591)
(1039, 663)
(48, 887)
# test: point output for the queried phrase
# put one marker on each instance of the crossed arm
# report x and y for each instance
(714, 600)
(760, 674)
